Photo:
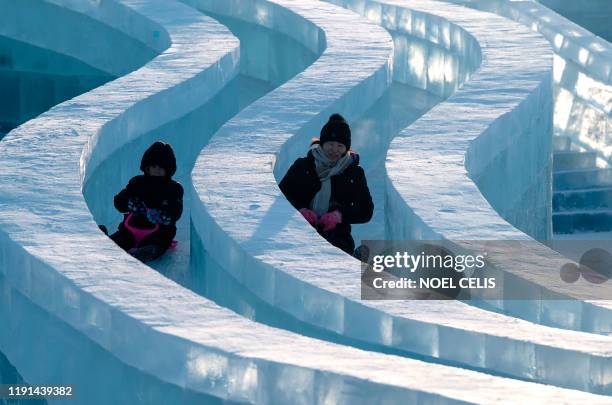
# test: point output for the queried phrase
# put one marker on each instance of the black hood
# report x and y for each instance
(160, 154)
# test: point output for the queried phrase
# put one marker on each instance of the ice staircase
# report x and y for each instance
(582, 199)
(102, 307)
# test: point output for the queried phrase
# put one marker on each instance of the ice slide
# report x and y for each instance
(45, 282)
(120, 310)
(282, 273)
(511, 151)
(582, 84)
(582, 94)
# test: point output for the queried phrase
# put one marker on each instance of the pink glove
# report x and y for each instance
(329, 220)
(309, 215)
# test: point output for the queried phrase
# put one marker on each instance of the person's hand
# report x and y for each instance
(329, 220)
(153, 216)
(136, 206)
(310, 216)
(164, 218)
(158, 217)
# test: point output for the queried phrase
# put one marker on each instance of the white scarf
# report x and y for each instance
(326, 169)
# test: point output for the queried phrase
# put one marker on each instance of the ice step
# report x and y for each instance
(574, 221)
(570, 160)
(579, 179)
(591, 198)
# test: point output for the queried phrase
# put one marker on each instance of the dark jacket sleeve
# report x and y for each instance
(121, 199)
(290, 184)
(174, 206)
(361, 209)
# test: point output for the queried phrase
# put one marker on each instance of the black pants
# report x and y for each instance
(341, 239)
(157, 243)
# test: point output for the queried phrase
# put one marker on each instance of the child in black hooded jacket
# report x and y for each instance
(151, 202)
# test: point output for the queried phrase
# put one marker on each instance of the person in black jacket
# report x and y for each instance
(329, 187)
(151, 204)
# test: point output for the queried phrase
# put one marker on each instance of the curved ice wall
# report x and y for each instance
(129, 311)
(36, 280)
(134, 37)
(115, 320)
(37, 71)
(513, 149)
(594, 15)
(276, 258)
(582, 82)
(34, 79)
(435, 164)
(478, 165)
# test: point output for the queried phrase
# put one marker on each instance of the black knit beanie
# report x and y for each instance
(336, 129)
(160, 154)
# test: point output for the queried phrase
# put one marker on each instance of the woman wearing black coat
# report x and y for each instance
(329, 187)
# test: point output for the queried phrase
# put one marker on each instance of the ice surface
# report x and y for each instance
(111, 307)
(101, 303)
